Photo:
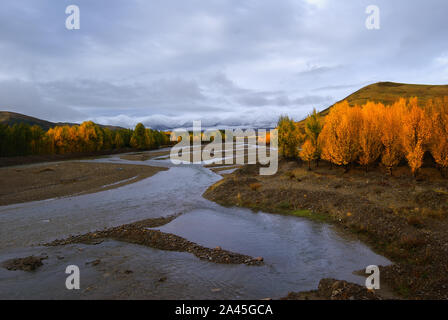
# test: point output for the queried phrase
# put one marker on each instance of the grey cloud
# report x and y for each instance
(339, 87)
(27, 98)
(227, 62)
(281, 100)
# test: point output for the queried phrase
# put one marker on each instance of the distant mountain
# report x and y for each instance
(10, 118)
(389, 92)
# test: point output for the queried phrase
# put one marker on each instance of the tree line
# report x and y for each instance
(369, 134)
(22, 139)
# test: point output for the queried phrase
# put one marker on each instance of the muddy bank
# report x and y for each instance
(47, 181)
(221, 169)
(138, 233)
(331, 289)
(143, 156)
(402, 218)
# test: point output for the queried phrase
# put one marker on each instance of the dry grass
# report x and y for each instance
(255, 186)
(411, 241)
(401, 217)
(415, 221)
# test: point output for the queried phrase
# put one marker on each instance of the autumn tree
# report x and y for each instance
(308, 152)
(50, 141)
(439, 140)
(90, 137)
(340, 134)
(73, 140)
(370, 144)
(390, 133)
(416, 133)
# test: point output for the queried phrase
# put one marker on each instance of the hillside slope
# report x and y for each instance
(10, 118)
(388, 92)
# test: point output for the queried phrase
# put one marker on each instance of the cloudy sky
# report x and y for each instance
(227, 62)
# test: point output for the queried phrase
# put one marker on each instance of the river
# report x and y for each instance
(297, 252)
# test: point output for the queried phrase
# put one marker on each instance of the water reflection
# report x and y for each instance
(297, 252)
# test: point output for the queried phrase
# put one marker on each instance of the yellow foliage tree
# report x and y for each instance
(308, 152)
(89, 137)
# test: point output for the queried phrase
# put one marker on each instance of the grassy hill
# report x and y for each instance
(10, 118)
(388, 92)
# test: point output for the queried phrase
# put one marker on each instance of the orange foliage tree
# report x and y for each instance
(340, 134)
(370, 145)
(416, 133)
(390, 133)
(373, 131)
(439, 139)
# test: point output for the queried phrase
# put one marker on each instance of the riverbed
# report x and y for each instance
(297, 252)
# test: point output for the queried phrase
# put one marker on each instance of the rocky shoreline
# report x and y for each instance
(139, 233)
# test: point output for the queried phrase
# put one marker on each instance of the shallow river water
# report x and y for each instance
(297, 252)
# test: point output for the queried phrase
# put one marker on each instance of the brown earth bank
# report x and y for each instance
(47, 181)
(143, 156)
(400, 217)
(331, 289)
(138, 233)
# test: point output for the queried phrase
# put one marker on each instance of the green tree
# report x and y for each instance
(313, 128)
(118, 140)
(3, 140)
(289, 137)
(140, 138)
(37, 140)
